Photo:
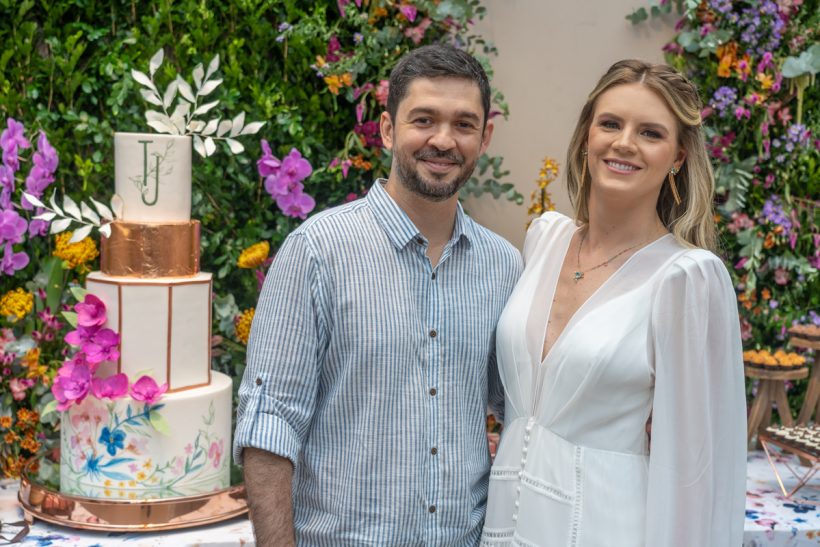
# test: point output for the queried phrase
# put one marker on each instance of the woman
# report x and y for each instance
(623, 315)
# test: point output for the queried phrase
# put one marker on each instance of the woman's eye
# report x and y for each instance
(609, 124)
(652, 134)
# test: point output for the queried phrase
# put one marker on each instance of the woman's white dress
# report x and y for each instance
(574, 467)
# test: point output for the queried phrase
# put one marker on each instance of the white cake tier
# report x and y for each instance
(164, 325)
(112, 449)
(152, 175)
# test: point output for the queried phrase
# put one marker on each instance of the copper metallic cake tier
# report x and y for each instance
(151, 250)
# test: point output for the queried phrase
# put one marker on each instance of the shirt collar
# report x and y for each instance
(398, 226)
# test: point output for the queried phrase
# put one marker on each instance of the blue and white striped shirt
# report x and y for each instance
(371, 371)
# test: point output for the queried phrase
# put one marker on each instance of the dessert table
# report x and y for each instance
(771, 520)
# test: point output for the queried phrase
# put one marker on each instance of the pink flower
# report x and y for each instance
(296, 204)
(409, 11)
(189, 449)
(104, 346)
(745, 329)
(113, 387)
(268, 164)
(416, 34)
(12, 226)
(19, 386)
(382, 90)
(781, 276)
(146, 390)
(133, 467)
(71, 385)
(741, 112)
(215, 453)
(741, 263)
(294, 167)
(90, 312)
(80, 336)
(11, 139)
(359, 112)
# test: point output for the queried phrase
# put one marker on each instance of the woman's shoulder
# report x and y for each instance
(698, 268)
(546, 228)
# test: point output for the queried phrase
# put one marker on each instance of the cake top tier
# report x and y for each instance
(152, 175)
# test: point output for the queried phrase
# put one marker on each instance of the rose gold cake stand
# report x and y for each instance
(49, 505)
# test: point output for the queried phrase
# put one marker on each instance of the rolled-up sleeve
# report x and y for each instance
(278, 391)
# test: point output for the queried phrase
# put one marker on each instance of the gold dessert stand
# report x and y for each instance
(154, 515)
(767, 442)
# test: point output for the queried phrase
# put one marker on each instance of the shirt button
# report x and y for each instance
(433, 333)
(433, 275)
(420, 241)
(434, 451)
(432, 509)
(433, 392)
(259, 381)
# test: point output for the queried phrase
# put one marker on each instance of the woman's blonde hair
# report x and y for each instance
(692, 222)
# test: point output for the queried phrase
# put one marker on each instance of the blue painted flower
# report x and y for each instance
(799, 507)
(92, 464)
(112, 439)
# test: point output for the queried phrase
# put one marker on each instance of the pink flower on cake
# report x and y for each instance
(215, 453)
(90, 312)
(72, 384)
(146, 390)
(113, 387)
(104, 346)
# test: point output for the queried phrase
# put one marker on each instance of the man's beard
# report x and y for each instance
(411, 179)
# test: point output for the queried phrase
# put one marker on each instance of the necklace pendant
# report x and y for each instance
(579, 276)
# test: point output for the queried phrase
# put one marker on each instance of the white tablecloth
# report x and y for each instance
(771, 520)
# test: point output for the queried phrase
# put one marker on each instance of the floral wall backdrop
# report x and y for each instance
(315, 72)
(755, 63)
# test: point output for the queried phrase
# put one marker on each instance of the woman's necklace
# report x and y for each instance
(579, 274)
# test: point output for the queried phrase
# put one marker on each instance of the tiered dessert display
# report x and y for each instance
(159, 302)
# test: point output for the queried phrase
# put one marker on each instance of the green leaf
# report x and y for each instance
(70, 317)
(159, 423)
(78, 293)
(50, 407)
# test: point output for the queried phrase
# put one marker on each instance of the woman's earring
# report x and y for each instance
(583, 169)
(672, 172)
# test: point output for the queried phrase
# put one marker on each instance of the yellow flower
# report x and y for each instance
(5, 422)
(243, 325)
(254, 256)
(76, 255)
(765, 80)
(16, 304)
(132, 483)
(141, 476)
(147, 464)
(107, 492)
(107, 482)
(335, 82)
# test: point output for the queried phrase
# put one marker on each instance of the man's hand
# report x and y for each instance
(268, 481)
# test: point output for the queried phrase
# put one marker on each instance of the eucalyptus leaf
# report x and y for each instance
(210, 128)
(142, 79)
(80, 234)
(70, 207)
(89, 213)
(199, 146)
(104, 211)
(224, 127)
(117, 205)
(205, 108)
(198, 74)
(210, 146)
(150, 97)
(170, 94)
(208, 87)
(252, 128)
(235, 146)
(53, 202)
(156, 61)
(213, 66)
(179, 123)
(185, 90)
(237, 123)
(196, 126)
(162, 127)
(60, 225)
(105, 230)
(48, 216)
(33, 200)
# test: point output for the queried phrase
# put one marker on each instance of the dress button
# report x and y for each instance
(433, 333)
(515, 517)
(433, 392)
(520, 474)
(259, 381)
(524, 450)
(516, 503)
(517, 489)
(432, 509)
(523, 460)
(526, 438)
(434, 451)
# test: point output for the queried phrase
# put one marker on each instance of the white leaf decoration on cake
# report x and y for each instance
(89, 213)
(251, 128)
(48, 216)
(235, 146)
(179, 123)
(237, 123)
(198, 74)
(117, 205)
(185, 90)
(156, 61)
(163, 128)
(150, 96)
(213, 66)
(199, 146)
(181, 110)
(209, 87)
(70, 207)
(170, 94)
(205, 108)
(196, 126)
(210, 146)
(143, 79)
(211, 127)
(224, 127)
(33, 200)
(60, 225)
(53, 202)
(104, 211)
(105, 230)
(80, 234)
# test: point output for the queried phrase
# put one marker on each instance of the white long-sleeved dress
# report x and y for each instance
(574, 467)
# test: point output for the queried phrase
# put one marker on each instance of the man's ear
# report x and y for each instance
(487, 136)
(386, 130)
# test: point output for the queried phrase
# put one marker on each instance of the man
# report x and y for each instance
(362, 410)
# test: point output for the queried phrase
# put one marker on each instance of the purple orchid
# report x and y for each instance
(296, 204)
(71, 385)
(42, 173)
(409, 11)
(104, 346)
(113, 387)
(295, 168)
(268, 165)
(7, 184)
(146, 390)
(13, 261)
(13, 138)
(12, 226)
(90, 312)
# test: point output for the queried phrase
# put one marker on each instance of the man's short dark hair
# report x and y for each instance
(436, 61)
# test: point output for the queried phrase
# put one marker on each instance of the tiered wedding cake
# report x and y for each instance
(160, 303)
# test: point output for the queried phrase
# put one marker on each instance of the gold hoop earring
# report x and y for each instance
(672, 172)
(583, 170)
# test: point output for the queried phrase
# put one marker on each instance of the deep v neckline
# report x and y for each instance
(551, 297)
